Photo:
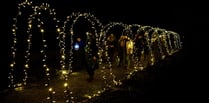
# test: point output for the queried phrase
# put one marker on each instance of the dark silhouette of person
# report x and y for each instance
(79, 54)
(91, 51)
(122, 51)
(139, 46)
(111, 42)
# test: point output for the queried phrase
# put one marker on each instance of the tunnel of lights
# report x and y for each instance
(167, 43)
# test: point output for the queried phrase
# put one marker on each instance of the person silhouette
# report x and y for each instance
(79, 54)
(111, 42)
(91, 51)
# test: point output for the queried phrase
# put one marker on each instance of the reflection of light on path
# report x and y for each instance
(19, 87)
(75, 73)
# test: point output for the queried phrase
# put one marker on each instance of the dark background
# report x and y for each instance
(189, 19)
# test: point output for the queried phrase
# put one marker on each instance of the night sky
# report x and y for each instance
(189, 20)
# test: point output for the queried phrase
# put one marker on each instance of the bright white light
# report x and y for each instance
(76, 46)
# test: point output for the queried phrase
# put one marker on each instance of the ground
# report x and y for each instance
(154, 83)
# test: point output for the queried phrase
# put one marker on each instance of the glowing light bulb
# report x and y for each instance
(65, 84)
(58, 29)
(26, 66)
(13, 30)
(76, 46)
(50, 89)
(64, 72)
(42, 30)
(30, 26)
(11, 65)
(63, 57)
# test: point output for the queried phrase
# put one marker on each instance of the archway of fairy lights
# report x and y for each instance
(68, 31)
(147, 52)
(163, 43)
(174, 42)
(14, 50)
(34, 20)
(159, 43)
(105, 32)
(135, 28)
(69, 35)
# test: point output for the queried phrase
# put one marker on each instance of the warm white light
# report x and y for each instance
(11, 65)
(26, 66)
(58, 29)
(30, 26)
(64, 72)
(71, 32)
(63, 56)
(89, 97)
(19, 88)
(42, 30)
(50, 89)
(65, 84)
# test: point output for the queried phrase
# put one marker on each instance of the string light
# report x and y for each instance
(103, 37)
(103, 34)
(135, 57)
(36, 14)
(75, 17)
(21, 6)
(168, 40)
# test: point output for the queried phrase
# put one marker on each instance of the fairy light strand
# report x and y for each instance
(103, 37)
(36, 13)
(92, 19)
(163, 39)
(36, 16)
(14, 47)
